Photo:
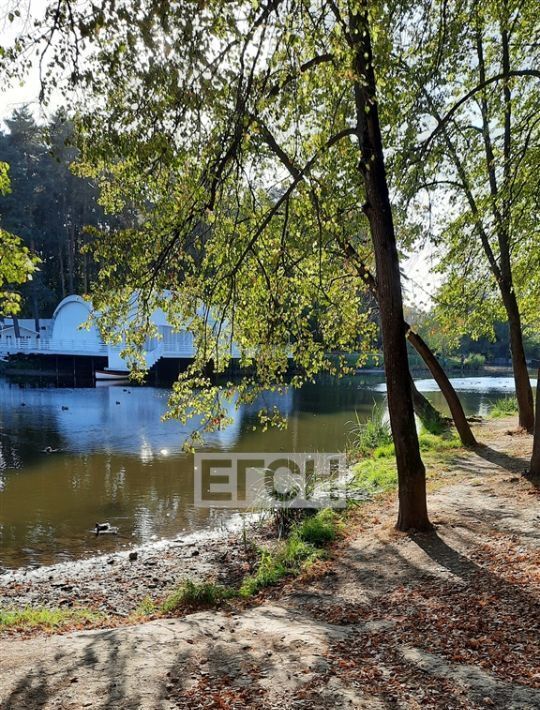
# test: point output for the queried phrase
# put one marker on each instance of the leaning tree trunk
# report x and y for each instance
(534, 468)
(441, 378)
(423, 408)
(411, 472)
(519, 363)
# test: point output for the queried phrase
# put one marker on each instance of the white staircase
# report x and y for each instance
(152, 356)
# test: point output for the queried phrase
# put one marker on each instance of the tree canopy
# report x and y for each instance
(17, 264)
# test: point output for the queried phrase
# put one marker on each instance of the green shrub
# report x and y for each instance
(366, 436)
(195, 594)
(303, 547)
(319, 529)
(474, 361)
(504, 407)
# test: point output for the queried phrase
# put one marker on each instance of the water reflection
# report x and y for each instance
(119, 462)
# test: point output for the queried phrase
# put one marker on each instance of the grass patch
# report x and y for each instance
(47, 619)
(290, 557)
(378, 473)
(320, 529)
(428, 442)
(366, 436)
(146, 607)
(195, 594)
(435, 425)
(504, 407)
(303, 547)
(433, 442)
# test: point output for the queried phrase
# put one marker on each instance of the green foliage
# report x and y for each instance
(474, 361)
(4, 179)
(319, 529)
(367, 435)
(16, 267)
(301, 549)
(242, 170)
(48, 208)
(194, 594)
(505, 407)
(17, 264)
(146, 607)
(47, 619)
(482, 169)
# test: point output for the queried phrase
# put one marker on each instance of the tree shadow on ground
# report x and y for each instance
(512, 464)
(446, 556)
(41, 684)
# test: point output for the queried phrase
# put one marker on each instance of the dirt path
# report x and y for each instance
(443, 620)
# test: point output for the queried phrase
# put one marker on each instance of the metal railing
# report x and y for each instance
(170, 347)
(36, 346)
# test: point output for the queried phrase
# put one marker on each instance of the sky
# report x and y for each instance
(421, 282)
(28, 92)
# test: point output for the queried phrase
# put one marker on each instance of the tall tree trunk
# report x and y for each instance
(441, 378)
(62, 274)
(411, 472)
(522, 382)
(534, 468)
(35, 305)
(421, 405)
(16, 327)
(501, 210)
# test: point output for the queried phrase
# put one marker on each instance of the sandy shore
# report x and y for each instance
(116, 583)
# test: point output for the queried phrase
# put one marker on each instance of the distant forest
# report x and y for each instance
(49, 207)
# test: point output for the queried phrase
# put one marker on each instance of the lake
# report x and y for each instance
(118, 462)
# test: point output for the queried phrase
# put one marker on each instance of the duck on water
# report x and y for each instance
(105, 529)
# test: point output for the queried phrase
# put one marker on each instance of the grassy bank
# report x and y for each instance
(42, 619)
(505, 407)
(305, 544)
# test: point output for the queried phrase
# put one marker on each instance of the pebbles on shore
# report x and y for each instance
(116, 584)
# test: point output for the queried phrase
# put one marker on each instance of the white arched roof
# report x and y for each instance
(72, 299)
(68, 316)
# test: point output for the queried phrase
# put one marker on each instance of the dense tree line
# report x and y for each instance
(49, 208)
(456, 350)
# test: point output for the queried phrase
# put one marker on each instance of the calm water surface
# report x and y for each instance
(119, 462)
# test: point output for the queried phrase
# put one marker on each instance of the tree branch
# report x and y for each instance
(480, 87)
